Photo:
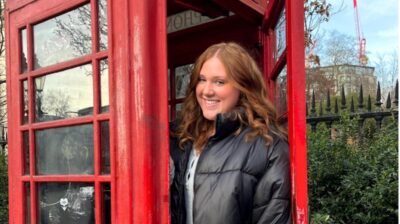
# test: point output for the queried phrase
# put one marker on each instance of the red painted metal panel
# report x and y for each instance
(204, 7)
(297, 108)
(268, 63)
(69, 64)
(293, 57)
(246, 9)
(69, 178)
(98, 200)
(34, 12)
(150, 154)
(37, 10)
(120, 58)
(95, 30)
(272, 13)
(15, 186)
(33, 205)
(16, 4)
(139, 65)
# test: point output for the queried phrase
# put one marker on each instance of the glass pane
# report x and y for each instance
(280, 35)
(63, 38)
(106, 203)
(25, 113)
(178, 109)
(105, 147)
(25, 137)
(104, 101)
(281, 92)
(64, 94)
(67, 150)
(103, 25)
(24, 53)
(65, 203)
(182, 78)
(27, 203)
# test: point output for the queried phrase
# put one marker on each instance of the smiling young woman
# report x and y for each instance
(231, 156)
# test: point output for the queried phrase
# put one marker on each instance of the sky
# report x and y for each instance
(379, 20)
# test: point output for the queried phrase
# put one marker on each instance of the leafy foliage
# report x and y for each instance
(353, 178)
(3, 188)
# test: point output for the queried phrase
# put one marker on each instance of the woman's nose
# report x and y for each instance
(208, 89)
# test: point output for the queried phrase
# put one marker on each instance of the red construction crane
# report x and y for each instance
(361, 40)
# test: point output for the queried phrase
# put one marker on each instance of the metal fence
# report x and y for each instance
(365, 110)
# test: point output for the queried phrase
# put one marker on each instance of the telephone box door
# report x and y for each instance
(86, 143)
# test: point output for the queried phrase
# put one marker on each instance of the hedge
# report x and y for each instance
(3, 189)
(353, 179)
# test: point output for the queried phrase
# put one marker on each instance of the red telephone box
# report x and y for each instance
(92, 85)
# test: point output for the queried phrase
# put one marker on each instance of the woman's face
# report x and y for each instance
(214, 91)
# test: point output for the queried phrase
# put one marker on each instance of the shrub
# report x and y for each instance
(353, 179)
(3, 188)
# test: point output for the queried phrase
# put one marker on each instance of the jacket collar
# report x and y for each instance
(227, 123)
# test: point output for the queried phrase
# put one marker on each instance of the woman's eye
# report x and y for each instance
(220, 82)
(202, 80)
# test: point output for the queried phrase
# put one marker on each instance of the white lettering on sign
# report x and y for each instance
(186, 19)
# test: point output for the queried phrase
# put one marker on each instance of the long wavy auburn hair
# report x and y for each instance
(245, 75)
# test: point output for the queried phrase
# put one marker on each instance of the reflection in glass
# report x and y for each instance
(178, 109)
(106, 203)
(103, 25)
(182, 78)
(63, 38)
(281, 92)
(64, 94)
(67, 150)
(104, 101)
(24, 53)
(105, 147)
(280, 35)
(25, 148)
(25, 113)
(27, 190)
(65, 203)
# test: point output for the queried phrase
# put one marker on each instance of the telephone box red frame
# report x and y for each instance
(138, 116)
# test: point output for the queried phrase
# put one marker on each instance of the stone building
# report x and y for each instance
(351, 77)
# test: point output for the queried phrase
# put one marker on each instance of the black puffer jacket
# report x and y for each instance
(235, 181)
